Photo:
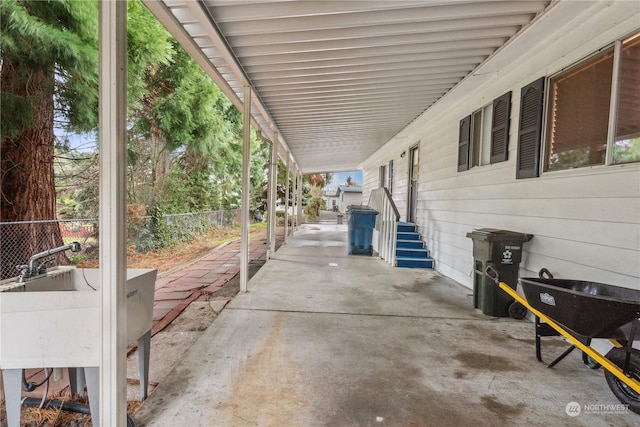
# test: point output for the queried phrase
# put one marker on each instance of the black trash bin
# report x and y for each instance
(503, 250)
(362, 220)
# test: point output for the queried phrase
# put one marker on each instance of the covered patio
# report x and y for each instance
(323, 338)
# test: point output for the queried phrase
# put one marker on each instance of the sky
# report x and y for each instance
(340, 178)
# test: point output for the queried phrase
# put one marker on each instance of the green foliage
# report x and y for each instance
(188, 191)
(314, 205)
(627, 150)
(58, 37)
(77, 178)
(160, 235)
(149, 46)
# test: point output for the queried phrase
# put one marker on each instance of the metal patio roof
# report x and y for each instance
(338, 79)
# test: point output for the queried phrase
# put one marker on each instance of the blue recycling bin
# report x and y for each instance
(362, 219)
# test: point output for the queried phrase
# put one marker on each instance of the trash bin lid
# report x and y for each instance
(496, 234)
(362, 209)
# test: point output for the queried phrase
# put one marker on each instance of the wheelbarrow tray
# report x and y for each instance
(588, 309)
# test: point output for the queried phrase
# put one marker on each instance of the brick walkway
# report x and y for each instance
(177, 289)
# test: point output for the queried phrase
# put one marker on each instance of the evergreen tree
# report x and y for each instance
(49, 59)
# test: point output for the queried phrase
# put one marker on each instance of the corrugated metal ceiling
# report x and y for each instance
(338, 79)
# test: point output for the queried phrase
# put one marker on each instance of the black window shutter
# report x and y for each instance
(464, 137)
(530, 130)
(500, 128)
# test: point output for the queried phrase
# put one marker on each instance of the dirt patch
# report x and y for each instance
(267, 392)
(232, 287)
(488, 362)
(167, 259)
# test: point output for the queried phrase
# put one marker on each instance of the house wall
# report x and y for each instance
(349, 198)
(586, 221)
(330, 201)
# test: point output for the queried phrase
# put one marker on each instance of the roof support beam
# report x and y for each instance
(273, 195)
(244, 213)
(286, 200)
(112, 137)
(299, 219)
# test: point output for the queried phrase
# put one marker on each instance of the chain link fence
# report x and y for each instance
(20, 240)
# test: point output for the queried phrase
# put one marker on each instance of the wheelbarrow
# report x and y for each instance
(581, 310)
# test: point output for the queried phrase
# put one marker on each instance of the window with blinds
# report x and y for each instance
(594, 110)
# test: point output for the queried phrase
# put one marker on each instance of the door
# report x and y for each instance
(414, 168)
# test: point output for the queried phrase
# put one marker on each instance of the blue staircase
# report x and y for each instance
(410, 250)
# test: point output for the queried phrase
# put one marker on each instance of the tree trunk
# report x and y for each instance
(26, 161)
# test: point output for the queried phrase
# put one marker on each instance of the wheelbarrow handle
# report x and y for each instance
(492, 273)
(545, 274)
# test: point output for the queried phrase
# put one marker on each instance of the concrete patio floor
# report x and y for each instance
(327, 339)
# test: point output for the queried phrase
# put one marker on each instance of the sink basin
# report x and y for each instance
(54, 322)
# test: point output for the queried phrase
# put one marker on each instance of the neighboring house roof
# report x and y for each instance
(349, 189)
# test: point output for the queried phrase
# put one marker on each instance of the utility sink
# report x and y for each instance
(54, 322)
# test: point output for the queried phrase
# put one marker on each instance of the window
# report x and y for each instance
(582, 127)
(481, 136)
(626, 146)
(484, 135)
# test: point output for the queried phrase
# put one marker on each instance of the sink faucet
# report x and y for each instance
(34, 270)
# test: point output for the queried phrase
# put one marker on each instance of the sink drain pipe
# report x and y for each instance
(81, 408)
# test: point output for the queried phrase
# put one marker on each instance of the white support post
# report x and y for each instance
(244, 214)
(294, 190)
(112, 139)
(299, 221)
(286, 201)
(273, 195)
(269, 201)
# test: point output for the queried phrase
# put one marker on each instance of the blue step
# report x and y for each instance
(412, 244)
(407, 235)
(410, 250)
(406, 227)
(412, 253)
(408, 262)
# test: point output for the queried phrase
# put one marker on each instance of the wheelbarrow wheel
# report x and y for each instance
(622, 391)
(517, 310)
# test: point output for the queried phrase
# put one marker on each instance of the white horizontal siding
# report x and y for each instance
(400, 174)
(586, 221)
